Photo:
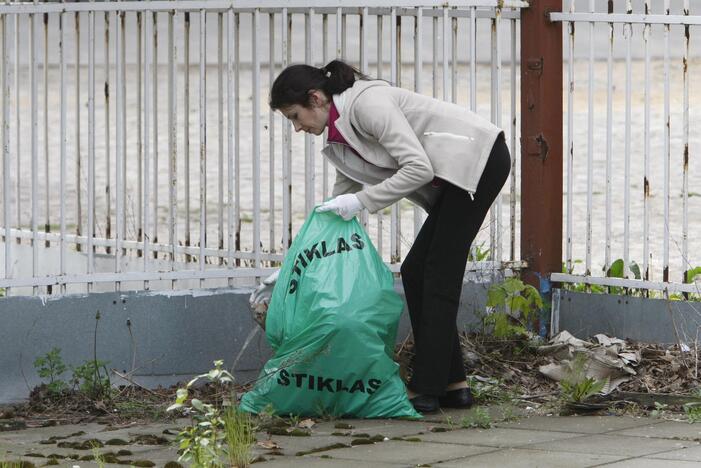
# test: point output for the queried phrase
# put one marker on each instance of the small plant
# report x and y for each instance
(239, 436)
(478, 253)
(659, 411)
(576, 386)
(479, 418)
(50, 366)
(92, 378)
(511, 301)
(693, 412)
(202, 444)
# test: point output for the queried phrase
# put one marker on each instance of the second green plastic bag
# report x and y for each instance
(332, 323)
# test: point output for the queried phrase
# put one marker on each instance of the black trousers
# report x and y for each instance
(433, 271)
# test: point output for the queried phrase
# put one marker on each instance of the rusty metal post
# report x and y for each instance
(541, 142)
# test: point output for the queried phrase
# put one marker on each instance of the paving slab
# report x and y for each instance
(313, 462)
(388, 428)
(613, 445)
(686, 454)
(497, 437)
(579, 424)
(665, 430)
(290, 446)
(525, 458)
(412, 453)
(650, 463)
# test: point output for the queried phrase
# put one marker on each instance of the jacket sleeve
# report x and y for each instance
(344, 184)
(378, 115)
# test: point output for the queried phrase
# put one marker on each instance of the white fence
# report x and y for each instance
(139, 151)
(630, 153)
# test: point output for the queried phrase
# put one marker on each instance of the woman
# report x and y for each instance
(388, 143)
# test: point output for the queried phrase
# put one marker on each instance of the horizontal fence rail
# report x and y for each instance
(139, 151)
(630, 153)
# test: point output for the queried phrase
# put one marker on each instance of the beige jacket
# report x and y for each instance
(405, 139)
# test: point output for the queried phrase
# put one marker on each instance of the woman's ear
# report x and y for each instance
(316, 98)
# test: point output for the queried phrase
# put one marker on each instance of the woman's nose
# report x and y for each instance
(298, 127)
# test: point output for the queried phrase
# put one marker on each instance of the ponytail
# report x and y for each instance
(293, 84)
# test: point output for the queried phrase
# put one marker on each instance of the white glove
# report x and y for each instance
(345, 206)
(263, 292)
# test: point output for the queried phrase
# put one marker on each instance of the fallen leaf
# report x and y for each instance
(268, 444)
(306, 424)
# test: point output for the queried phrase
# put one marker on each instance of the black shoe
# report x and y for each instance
(425, 403)
(460, 398)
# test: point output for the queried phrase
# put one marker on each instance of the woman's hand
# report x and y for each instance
(345, 206)
(264, 292)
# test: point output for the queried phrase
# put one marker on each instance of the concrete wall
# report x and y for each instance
(636, 318)
(163, 337)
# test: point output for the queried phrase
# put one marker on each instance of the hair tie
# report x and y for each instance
(326, 73)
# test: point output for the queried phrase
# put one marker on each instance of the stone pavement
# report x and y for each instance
(438, 440)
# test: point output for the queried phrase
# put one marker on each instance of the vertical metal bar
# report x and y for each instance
(256, 136)
(18, 128)
(628, 31)
(667, 154)
(395, 53)
(340, 29)
(446, 35)
(325, 60)
(47, 192)
(570, 141)
(34, 149)
(62, 176)
(6, 79)
(237, 123)
(495, 210)
(309, 173)
(220, 132)
(119, 153)
(147, 137)
(514, 129)
(172, 141)
(186, 127)
(380, 67)
(271, 131)
(344, 31)
(609, 146)
(380, 64)
(473, 59)
(108, 189)
(454, 60)
(123, 78)
(434, 63)
(285, 53)
(418, 66)
(541, 179)
(78, 162)
(230, 138)
(685, 156)
(154, 80)
(646, 155)
(91, 144)
(203, 141)
(590, 144)
(363, 40)
(364, 70)
(139, 134)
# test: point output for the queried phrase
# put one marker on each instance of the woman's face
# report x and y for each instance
(312, 119)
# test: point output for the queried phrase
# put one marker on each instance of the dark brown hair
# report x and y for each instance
(293, 84)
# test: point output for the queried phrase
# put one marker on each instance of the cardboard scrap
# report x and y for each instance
(606, 359)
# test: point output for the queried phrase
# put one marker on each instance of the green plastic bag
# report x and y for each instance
(332, 323)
